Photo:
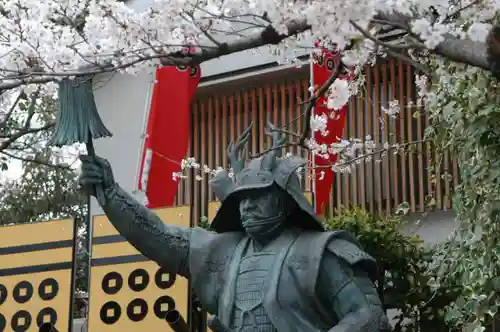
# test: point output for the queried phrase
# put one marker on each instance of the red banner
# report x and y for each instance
(167, 134)
(322, 67)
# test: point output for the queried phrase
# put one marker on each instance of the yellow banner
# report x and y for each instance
(129, 292)
(35, 275)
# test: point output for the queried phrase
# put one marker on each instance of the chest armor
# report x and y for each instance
(248, 313)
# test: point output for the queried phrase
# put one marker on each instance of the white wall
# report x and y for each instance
(122, 103)
(433, 228)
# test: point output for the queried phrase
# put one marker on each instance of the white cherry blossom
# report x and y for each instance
(338, 95)
(44, 41)
(64, 36)
(318, 123)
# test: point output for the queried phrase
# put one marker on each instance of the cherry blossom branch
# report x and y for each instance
(35, 160)
(380, 42)
(279, 147)
(287, 132)
(307, 114)
(460, 50)
(306, 129)
(395, 50)
(461, 9)
(11, 110)
(22, 132)
(371, 154)
(190, 163)
(268, 36)
(464, 51)
(31, 109)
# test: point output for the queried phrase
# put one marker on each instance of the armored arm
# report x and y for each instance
(167, 245)
(345, 288)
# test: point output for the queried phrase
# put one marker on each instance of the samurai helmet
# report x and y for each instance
(260, 173)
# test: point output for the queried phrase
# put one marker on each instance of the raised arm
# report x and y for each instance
(350, 295)
(167, 245)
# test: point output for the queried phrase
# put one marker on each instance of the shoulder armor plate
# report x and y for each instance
(353, 255)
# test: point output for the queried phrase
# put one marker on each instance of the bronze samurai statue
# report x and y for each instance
(266, 264)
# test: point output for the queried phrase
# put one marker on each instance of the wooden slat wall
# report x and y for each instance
(380, 185)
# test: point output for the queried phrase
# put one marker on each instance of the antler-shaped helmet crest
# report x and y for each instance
(260, 173)
(237, 151)
(278, 139)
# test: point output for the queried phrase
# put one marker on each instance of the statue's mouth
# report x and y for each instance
(252, 221)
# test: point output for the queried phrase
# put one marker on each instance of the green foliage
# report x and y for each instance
(41, 193)
(203, 223)
(465, 110)
(46, 189)
(404, 283)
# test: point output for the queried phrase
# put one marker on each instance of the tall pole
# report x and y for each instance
(313, 158)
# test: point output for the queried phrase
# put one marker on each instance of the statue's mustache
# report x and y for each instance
(253, 213)
(254, 219)
(258, 219)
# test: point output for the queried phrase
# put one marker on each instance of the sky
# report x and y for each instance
(69, 154)
(14, 172)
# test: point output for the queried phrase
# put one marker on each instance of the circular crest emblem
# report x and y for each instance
(137, 310)
(332, 63)
(112, 283)
(138, 280)
(48, 289)
(23, 292)
(21, 321)
(46, 315)
(110, 313)
(3, 295)
(163, 279)
(163, 305)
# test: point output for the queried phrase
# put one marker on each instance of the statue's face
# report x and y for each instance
(263, 211)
